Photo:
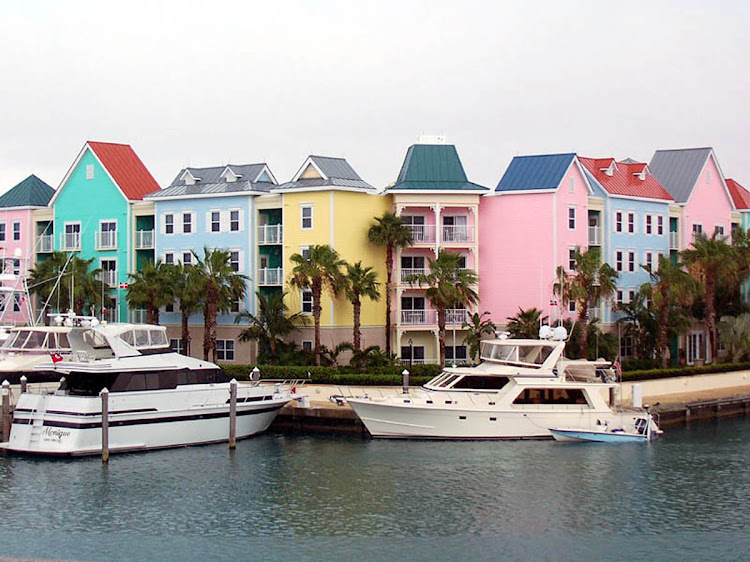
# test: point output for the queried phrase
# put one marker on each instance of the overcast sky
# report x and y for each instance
(207, 83)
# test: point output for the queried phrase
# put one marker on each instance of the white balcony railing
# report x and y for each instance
(457, 234)
(109, 277)
(270, 234)
(144, 239)
(595, 236)
(674, 241)
(139, 316)
(418, 317)
(406, 273)
(70, 241)
(456, 316)
(106, 240)
(422, 233)
(45, 243)
(270, 276)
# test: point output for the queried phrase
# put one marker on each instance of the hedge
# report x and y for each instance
(671, 372)
(375, 376)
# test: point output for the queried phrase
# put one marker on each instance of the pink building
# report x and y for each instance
(17, 237)
(533, 222)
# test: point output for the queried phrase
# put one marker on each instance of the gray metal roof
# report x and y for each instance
(678, 170)
(181, 190)
(213, 174)
(335, 168)
(330, 182)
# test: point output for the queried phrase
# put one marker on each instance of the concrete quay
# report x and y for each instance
(676, 401)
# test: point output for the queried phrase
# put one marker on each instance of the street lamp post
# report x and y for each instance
(411, 353)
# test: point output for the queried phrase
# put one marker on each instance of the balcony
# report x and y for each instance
(270, 234)
(144, 239)
(408, 272)
(674, 241)
(139, 316)
(418, 317)
(109, 277)
(457, 234)
(106, 240)
(595, 236)
(422, 233)
(456, 316)
(270, 276)
(70, 241)
(45, 243)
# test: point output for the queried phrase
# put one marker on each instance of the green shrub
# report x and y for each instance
(375, 376)
(650, 374)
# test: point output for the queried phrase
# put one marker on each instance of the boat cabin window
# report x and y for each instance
(35, 340)
(128, 337)
(551, 396)
(527, 355)
(141, 338)
(481, 383)
(62, 341)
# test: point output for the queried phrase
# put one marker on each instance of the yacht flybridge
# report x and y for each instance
(157, 398)
(519, 390)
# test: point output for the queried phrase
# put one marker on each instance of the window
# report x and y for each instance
(17, 302)
(234, 221)
(235, 306)
(417, 225)
(459, 355)
(618, 221)
(619, 296)
(16, 267)
(187, 223)
(16, 231)
(90, 172)
(234, 259)
(2, 232)
(618, 260)
(307, 302)
(660, 225)
(572, 185)
(169, 224)
(571, 218)
(649, 219)
(107, 234)
(176, 345)
(631, 223)
(697, 231)
(306, 212)
(572, 259)
(187, 258)
(649, 260)
(626, 346)
(631, 261)
(109, 272)
(305, 252)
(307, 345)
(169, 258)
(572, 307)
(631, 295)
(215, 221)
(417, 356)
(718, 230)
(169, 308)
(72, 236)
(225, 350)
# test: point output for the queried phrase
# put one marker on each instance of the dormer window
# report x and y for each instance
(610, 170)
(189, 178)
(229, 176)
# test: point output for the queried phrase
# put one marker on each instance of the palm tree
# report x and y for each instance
(670, 291)
(220, 286)
(46, 282)
(186, 290)
(360, 282)
(151, 289)
(271, 323)
(390, 232)
(476, 326)
(321, 270)
(735, 335)
(68, 281)
(448, 286)
(711, 261)
(526, 323)
(639, 319)
(591, 282)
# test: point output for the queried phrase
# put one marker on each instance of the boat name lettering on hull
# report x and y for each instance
(55, 434)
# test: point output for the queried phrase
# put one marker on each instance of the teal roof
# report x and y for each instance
(433, 167)
(31, 192)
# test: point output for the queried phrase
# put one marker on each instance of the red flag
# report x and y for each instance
(56, 357)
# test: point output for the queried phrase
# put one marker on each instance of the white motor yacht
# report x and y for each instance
(520, 390)
(28, 346)
(156, 399)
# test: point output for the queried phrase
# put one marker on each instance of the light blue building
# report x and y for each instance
(212, 208)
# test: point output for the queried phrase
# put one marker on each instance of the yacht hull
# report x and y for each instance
(190, 415)
(388, 420)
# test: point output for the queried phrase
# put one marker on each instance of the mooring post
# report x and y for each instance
(105, 424)
(405, 382)
(233, 414)
(24, 380)
(6, 411)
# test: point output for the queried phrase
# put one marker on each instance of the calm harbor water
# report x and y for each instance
(281, 497)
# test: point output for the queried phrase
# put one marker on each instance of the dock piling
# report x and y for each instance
(105, 424)
(6, 411)
(24, 382)
(405, 381)
(233, 414)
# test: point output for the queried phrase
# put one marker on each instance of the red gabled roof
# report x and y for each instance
(740, 195)
(625, 180)
(123, 164)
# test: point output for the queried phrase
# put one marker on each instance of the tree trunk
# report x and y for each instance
(583, 320)
(209, 324)
(185, 334)
(317, 310)
(711, 318)
(152, 315)
(441, 334)
(388, 290)
(357, 334)
(662, 336)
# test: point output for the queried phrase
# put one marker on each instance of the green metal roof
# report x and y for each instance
(31, 192)
(434, 166)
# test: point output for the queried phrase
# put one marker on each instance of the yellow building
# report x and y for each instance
(326, 202)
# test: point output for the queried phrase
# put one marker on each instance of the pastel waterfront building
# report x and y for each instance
(741, 200)
(214, 208)
(17, 247)
(628, 218)
(534, 221)
(703, 204)
(327, 202)
(434, 197)
(94, 211)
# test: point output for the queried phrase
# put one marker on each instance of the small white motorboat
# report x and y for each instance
(643, 430)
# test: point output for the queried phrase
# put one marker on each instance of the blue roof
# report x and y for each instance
(535, 172)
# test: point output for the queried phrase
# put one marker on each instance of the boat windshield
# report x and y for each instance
(527, 355)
